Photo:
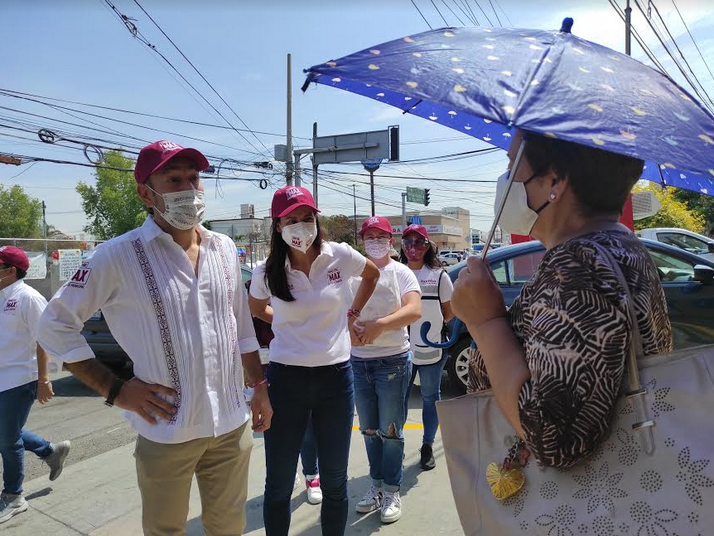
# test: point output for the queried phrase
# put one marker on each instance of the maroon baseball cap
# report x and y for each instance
(14, 257)
(289, 198)
(415, 228)
(155, 156)
(376, 222)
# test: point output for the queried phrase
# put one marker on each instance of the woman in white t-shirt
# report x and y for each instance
(302, 290)
(436, 290)
(382, 369)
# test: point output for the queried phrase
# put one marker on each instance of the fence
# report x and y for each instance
(52, 261)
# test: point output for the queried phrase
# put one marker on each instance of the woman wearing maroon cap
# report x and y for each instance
(382, 368)
(436, 290)
(302, 290)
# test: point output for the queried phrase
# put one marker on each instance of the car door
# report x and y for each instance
(690, 303)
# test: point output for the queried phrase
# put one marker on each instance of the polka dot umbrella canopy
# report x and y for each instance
(487, 81)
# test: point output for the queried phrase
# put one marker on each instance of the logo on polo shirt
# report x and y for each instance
(80, 277)
(293, 192)
(169, 145)
(334, 276)
(11, 304)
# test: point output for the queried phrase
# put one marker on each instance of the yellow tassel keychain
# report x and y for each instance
(507, 479)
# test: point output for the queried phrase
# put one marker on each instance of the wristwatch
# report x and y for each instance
(117, 384)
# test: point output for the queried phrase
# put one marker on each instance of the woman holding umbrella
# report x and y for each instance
(555, 359)
(302, 291)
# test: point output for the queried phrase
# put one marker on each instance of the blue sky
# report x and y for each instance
(78, 50)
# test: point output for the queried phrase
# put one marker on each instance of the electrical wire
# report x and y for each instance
(422, 14)
(692, 38)
(484, 13)
(452, 12)
(495, 13)
(439, 12)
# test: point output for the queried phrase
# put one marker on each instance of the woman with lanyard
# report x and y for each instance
(382, 369)
(436, 290)
(312, 314)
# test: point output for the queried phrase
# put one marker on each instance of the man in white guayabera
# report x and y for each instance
(172, 295)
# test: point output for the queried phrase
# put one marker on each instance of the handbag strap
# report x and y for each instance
(635, 392)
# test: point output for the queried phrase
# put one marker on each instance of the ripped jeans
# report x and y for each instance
(380, 389)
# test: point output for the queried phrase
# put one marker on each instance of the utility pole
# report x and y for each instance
(314, 166)
(371, 166)
(354, 217)
(628, 29)
(298, 177)
(44, 226)
(404, 211)
(289, 142)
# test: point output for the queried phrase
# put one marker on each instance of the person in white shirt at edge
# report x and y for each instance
(23, 378)
(382, 368)
(436, 290)
(302, 289)
(172, 295)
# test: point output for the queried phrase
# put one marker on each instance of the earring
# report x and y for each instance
(552, 196)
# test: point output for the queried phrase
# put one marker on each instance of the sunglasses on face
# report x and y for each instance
(411, 242)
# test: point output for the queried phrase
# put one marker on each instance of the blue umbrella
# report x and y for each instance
(485, 82)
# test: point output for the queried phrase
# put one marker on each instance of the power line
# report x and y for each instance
(504, 13)
(202, 77)
(495, 13)
(407, 177)
(439, 12)
(693, 41)
(466, 13)
(422, 14)
(452, 12)
(484, 13)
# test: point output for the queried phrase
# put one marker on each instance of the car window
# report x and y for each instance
(671, 268)
(499, 270)
(685, 242)
(521, 268)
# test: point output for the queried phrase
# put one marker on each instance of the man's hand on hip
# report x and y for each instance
(142, 398)
(261, 408)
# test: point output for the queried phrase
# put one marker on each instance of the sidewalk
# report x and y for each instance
(99, 497)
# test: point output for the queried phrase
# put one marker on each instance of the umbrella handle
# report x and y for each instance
(450, 341)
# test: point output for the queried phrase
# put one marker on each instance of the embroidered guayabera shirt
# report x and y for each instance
(181, 330)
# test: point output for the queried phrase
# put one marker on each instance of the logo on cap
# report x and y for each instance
(373, 219)
(169, 146)
(293, 192)
(3, 248)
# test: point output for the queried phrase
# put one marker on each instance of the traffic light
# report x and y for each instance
(426, 197)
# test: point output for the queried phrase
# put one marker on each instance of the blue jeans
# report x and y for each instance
(325, 394)
(380, 391)
(430, 380)
(15, 407)
(308, 451)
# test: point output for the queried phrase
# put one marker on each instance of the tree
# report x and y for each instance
(339, 228)
(699, 203)
(21, 214)
(672, 213)
(112, 206)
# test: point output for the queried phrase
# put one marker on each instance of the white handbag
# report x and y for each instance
(653, 476)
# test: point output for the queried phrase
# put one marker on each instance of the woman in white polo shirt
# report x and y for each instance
(302, 290)
(382, 369)
(436, 291)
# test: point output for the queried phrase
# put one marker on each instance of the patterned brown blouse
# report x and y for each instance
(571, 318)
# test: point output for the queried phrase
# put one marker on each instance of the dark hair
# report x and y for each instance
(276, 278)
(20, 273)
(601, 180)
(430, 258)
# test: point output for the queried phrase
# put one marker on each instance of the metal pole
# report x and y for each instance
(298, 177)
(44, 226)
(628, 29)
(404, 211)
(354, 200)
(314, 166)
(371, 188)
(289, 142)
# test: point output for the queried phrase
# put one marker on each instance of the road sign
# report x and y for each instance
(374, 145)
(416, 195)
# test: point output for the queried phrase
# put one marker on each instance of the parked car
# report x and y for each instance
(687, 279)
(109, 352)
(682, 239)
(449, 258)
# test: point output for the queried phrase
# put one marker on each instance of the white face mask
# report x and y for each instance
(377, 248)
(182, 210)
(300, 235)
(517, 217)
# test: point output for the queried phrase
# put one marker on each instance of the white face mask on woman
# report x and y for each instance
(300, 235)
(182, 210)
(377, 248)
(517, 217)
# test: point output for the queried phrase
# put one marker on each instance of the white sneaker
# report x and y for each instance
(371, 501)
(314, 491)
(11, 505)
(391, 507)
(297, 483)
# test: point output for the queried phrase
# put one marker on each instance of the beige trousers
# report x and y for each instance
(165, 472)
